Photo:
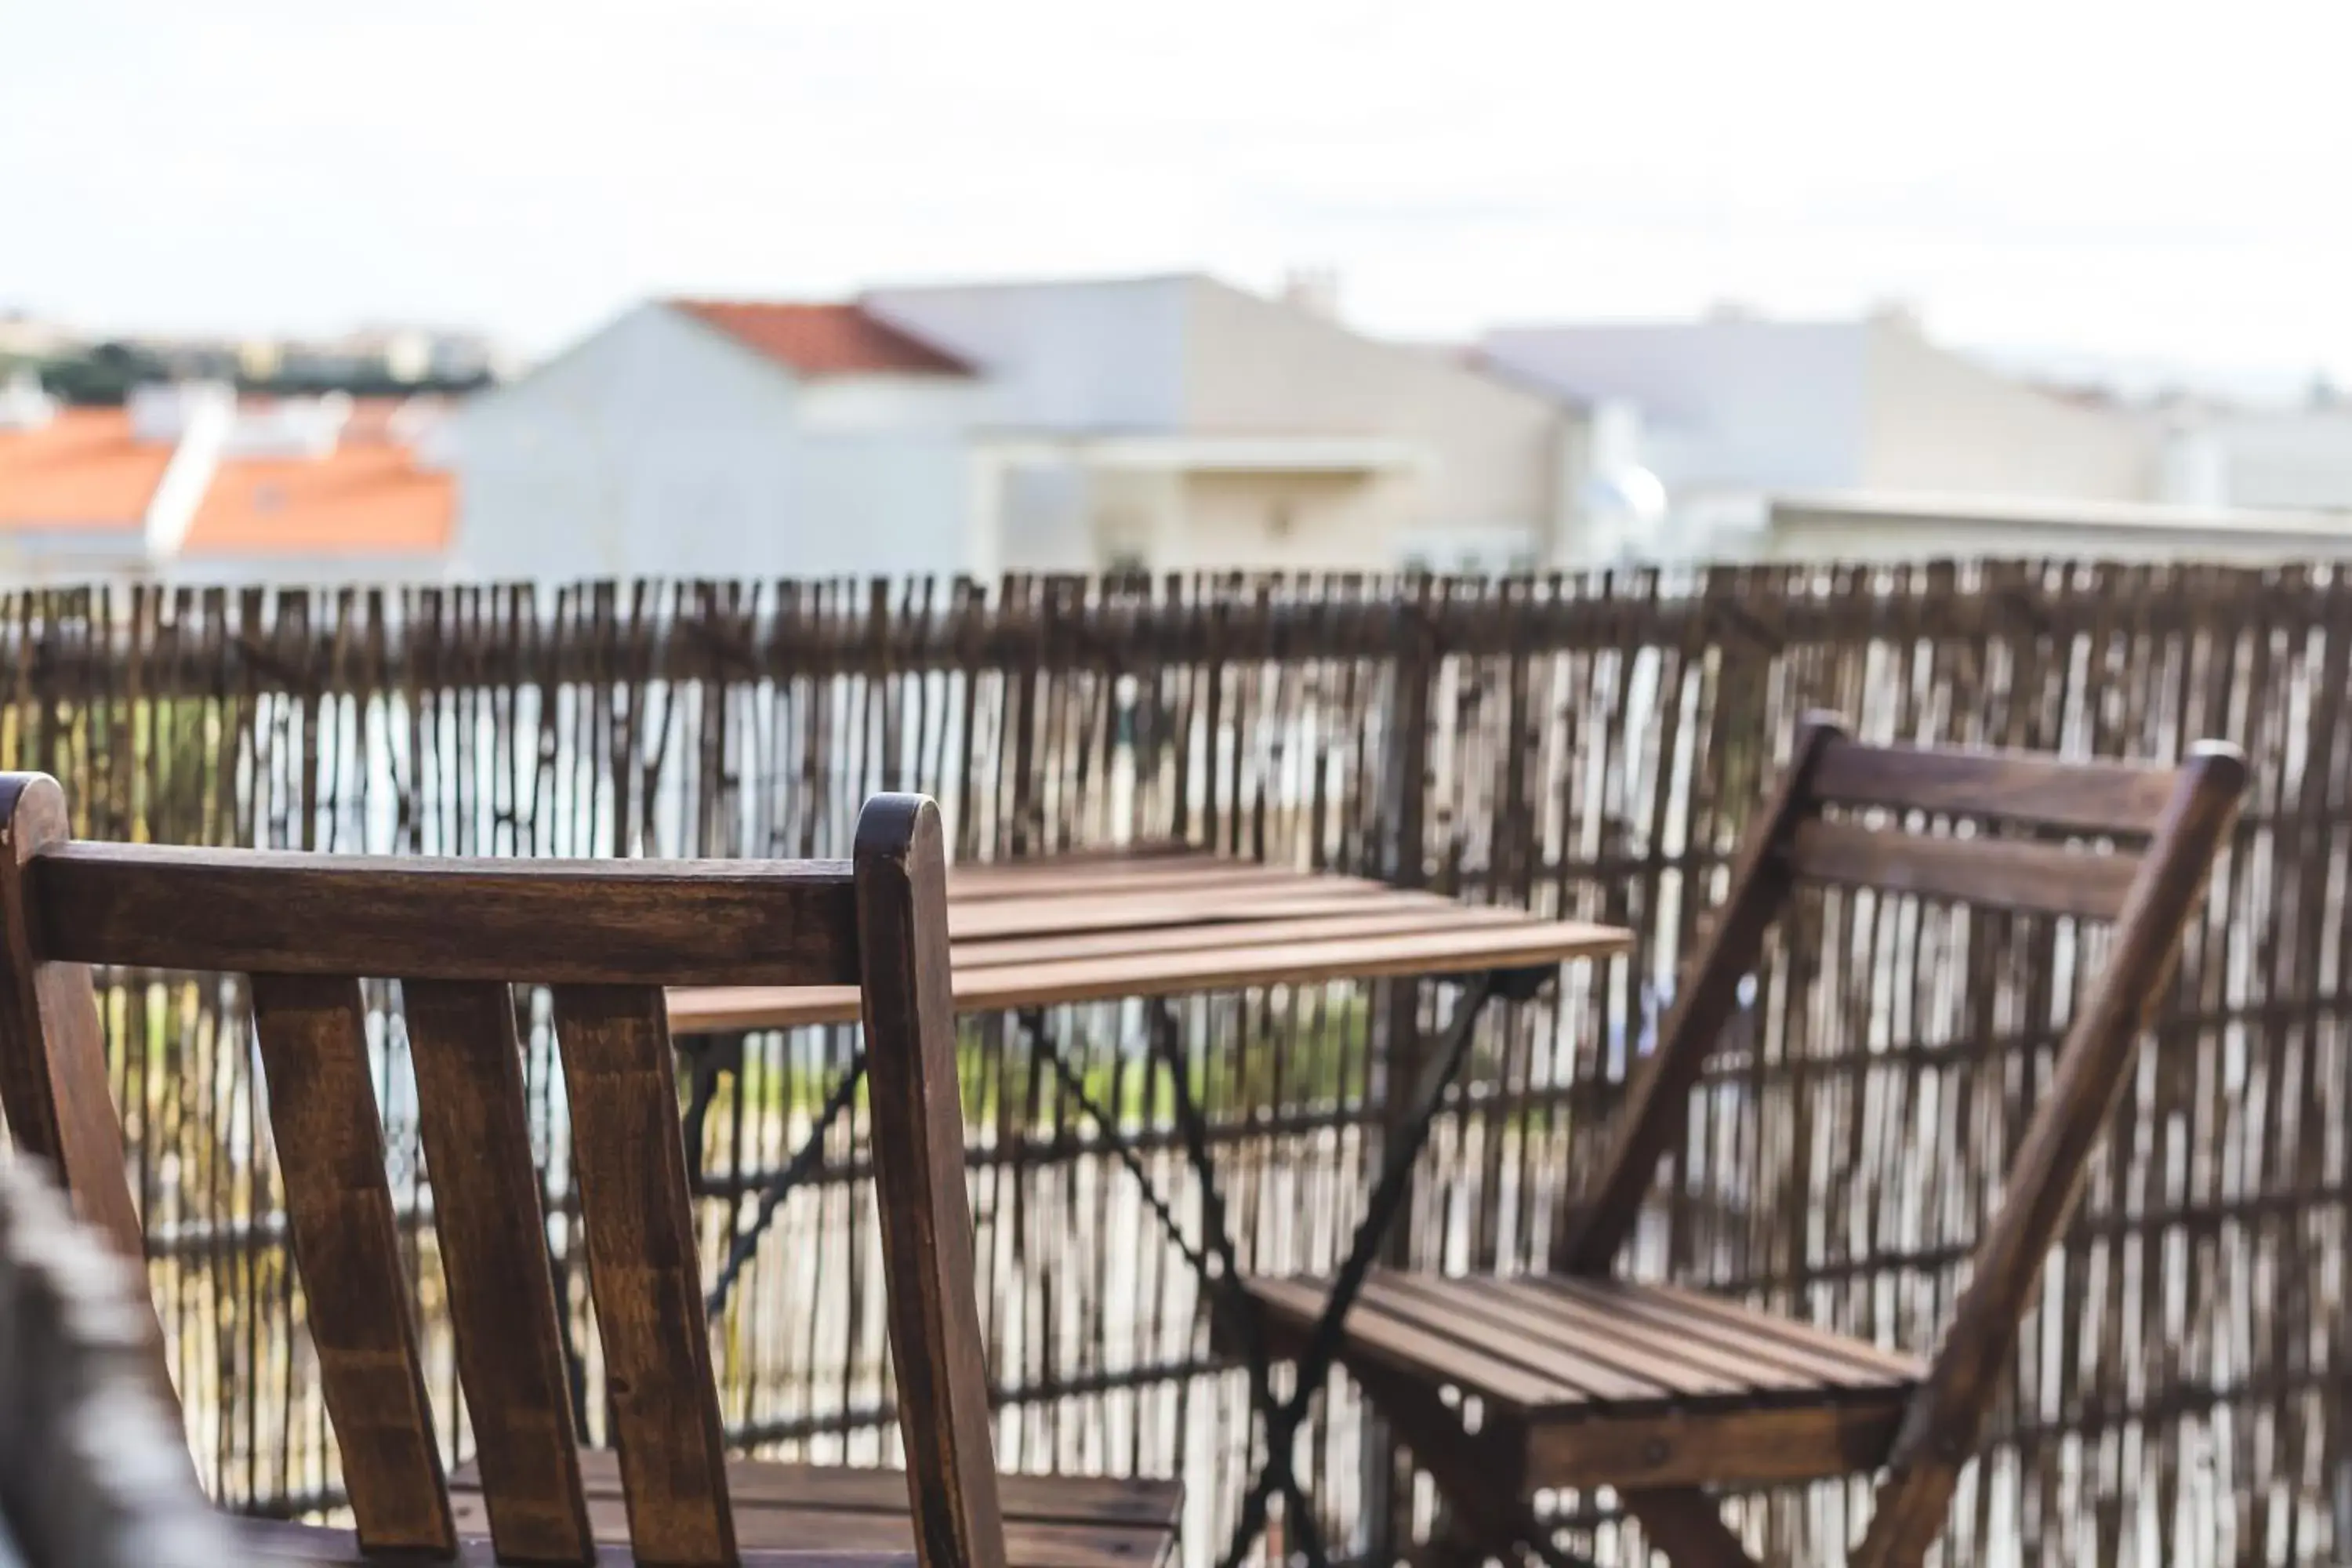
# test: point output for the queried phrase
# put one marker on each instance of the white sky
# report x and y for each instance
(2153, 179)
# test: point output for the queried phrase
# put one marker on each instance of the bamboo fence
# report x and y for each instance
(2183, 1392)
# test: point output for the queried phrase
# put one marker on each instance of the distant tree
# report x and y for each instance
(102, 376)
(370, 382)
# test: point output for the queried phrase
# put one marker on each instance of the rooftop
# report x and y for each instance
(82, 470)
(357, 500)
(363, 491)
(823, 340)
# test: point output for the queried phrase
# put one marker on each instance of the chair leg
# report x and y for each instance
(1475, 1473)
(1480, 1477)
(1685, 1524)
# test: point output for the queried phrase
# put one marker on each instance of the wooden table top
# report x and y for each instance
(1162, 922)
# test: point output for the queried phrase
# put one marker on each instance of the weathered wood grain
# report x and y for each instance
(911, 1045)
(571, 922)
(644, 1273)
(1996, 873)
(2090, 796)
(470, 1098)
(312, 1035)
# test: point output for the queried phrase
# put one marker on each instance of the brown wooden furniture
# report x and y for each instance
(606, 937)
(1584, 1380)
(1163, 922)
(1172, 921)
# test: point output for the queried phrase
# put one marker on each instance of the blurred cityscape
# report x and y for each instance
(1162, 424)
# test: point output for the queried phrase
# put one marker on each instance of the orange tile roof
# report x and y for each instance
(80, 470)
(823, 340)
(359, 500)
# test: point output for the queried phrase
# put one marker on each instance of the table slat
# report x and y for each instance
(1383, 920)
(706, 1010)
(1042, 916)
(1163, 922)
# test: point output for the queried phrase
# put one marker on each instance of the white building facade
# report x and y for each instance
(1721, 416)
(1163, 423)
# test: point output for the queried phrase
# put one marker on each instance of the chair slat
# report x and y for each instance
(313, 1035)
(470, 1109)
(919, 1157)
(1687, 1365)
(1746, 1340)
(1495, 1311)
(629, 1159)
(1867, 1358)
(2088, 796)
(2000, 873)
(1178, 877)
(641, 922)
(998, 917)
(1500, 1369)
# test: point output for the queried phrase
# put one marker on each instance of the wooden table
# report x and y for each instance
(1156, 924)
(1159, 922)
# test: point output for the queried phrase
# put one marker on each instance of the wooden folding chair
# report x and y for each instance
(606, 937)
(1583, 1379)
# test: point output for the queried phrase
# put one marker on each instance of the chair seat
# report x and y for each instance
(1050, 1521)
(1618, 1384)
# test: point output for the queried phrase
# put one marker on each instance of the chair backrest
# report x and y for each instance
(2118, 842)
(605, 937)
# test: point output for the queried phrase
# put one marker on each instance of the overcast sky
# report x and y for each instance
(2165, 181)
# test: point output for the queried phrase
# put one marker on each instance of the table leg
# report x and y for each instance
(1218, 1268)
(771, 1197)
(1228, 1294)
(1217, 1261)
(1314, 1363)
(707, 1057)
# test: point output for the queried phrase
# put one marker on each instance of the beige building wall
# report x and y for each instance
(1497, 453)
(1938, 424)
(1857, 529)
(1293, 522)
